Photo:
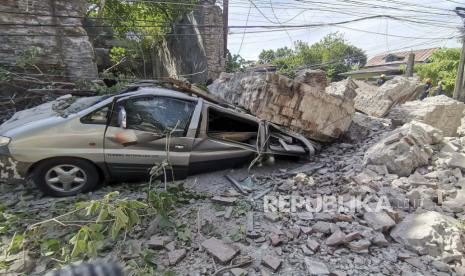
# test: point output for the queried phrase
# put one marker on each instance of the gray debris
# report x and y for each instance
(158, 242)
(221, 251)
(429, 233)
(337, 238)
(176, 256)
(224, 200)
(379, 221)
(315, 267)
(272, 262)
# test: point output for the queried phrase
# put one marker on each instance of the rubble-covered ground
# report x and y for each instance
(215, 230)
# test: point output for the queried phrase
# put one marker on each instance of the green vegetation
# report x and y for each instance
(236, 63)
(332, 54)
(140, 27)
(142, 21)
(92, 228)
(443, 65)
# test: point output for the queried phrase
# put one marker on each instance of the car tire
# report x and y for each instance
(61, 177)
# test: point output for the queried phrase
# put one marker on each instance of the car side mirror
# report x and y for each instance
(122, 118)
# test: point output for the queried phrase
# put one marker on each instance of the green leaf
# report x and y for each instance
(115, 231)
(79, 247)
(135, 204)
(16, 244)
(133, 218)
(149, 257)
(92, 248)
(50, 247)
(121, 221)
(112, 195)
(92, 208)
(82, 204)
(103, 215)
(95, 227)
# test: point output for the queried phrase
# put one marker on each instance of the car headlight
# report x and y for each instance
(4, 141)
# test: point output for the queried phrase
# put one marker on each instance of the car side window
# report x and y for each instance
(159, 115)
(98, 117)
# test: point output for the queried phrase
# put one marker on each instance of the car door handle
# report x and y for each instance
(179, 146)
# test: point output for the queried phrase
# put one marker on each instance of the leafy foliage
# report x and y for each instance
(332, 54)
(145, 21)
(236, 63)
(109, 216)
(268, 56)
(117, 54)
(443, 65)
(139, 27)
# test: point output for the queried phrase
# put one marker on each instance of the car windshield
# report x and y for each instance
(74, 105)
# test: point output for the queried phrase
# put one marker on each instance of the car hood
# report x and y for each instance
(46, 115)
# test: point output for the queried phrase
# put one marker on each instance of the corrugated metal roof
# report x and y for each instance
(420, 56)
(385, 69)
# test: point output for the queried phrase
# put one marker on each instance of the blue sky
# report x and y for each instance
(415, 31)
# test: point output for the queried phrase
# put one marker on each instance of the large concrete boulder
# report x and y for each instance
(440, 112)
(430, 233)
(404, 149)
(378, 102)
(315, 78)
(321, 115)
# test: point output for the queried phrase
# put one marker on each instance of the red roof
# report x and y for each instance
(420, 56)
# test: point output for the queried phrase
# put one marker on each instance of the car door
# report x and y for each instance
(139, 131)
(225, 139)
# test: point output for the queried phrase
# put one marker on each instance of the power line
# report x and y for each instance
(243, 34)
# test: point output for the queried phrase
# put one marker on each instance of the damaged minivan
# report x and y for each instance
(72, 145)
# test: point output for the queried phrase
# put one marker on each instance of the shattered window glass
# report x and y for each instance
(159, 115)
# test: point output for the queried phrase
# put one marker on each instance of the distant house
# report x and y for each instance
(389, 64)
(262, 68)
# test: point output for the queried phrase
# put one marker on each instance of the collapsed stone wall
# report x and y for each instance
(320, 113)
(61, 41)
(378, 101)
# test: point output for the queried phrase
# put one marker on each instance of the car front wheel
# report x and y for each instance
(65, 176)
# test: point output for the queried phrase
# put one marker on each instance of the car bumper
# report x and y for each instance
(9, 167)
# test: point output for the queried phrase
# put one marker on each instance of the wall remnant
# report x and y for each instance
(197, 58)
(61, 43)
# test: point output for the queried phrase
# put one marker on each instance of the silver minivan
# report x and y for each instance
(72, 145)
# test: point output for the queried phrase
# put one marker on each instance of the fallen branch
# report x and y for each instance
(62, 92)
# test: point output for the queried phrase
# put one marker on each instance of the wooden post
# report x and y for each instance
(410, 65)
(459, 91)
(225, 26)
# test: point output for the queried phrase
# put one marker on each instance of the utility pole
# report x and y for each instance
(225, 26)
(459, 91)
(410, 65)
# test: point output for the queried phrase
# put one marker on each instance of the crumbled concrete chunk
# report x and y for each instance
(221, 251)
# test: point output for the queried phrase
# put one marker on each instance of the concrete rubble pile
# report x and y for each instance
(408, 183)
(404, 149)
(378, 101)
(440, 112)
(318, 111)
